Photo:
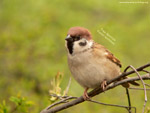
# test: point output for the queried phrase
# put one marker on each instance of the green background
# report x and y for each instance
(32, 50)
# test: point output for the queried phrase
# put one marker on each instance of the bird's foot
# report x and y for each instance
(85, 95)
(103, 85)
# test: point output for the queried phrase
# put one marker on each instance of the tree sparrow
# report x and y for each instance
(90, 63)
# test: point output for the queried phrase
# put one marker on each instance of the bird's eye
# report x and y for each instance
(77, 38)
(83, 43)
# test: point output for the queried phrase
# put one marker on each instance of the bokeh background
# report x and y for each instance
(32, 48)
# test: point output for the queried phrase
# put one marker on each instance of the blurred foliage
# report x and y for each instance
(3, 107)
(148, 110)
(56, 90)
(21, 105)
(32, 46)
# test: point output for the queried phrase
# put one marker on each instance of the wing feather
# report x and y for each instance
(108, 54)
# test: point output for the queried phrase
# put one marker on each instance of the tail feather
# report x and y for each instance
(127, 84)
(134, 83)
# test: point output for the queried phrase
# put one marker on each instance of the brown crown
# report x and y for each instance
(80, 31)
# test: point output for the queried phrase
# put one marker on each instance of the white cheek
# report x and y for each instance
(77, 48)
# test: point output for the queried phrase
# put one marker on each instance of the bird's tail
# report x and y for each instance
(127, 84)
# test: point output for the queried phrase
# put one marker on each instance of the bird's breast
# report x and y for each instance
(87, 72)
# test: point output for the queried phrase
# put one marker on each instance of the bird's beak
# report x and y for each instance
(69, 38)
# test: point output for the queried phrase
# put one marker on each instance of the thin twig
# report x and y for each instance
(61, 101)
(68, 86)
(129, 102)
(147, 85)
(145, 71)
(59, 97)
(138, 88)
(128, 95)
(91, 94)
(128, 73)
(143, 83)
(71, 97)
(99, 90)
(115, 105)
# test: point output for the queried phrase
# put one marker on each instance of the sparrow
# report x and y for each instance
(90, 63)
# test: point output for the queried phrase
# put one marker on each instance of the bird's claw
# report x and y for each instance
(85, 95)
(103, 85)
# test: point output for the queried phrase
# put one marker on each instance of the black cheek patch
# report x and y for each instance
(70, 47)
(82, 43)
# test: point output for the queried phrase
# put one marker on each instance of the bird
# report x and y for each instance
(90, 63)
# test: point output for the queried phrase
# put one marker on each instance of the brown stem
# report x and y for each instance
(99, 90)
(92, 93)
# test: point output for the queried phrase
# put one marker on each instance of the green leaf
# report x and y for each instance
(16, 100)
(3, 107)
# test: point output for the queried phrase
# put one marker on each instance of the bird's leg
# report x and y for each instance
(85, 95)
(103, 85)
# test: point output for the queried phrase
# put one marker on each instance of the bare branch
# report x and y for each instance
(147, 84)
(128, 95)
(138, 88)
(68, 86)
(145, 71)
(115, 105)
(98, 90)
(59, 102)
(129, 102)
(92, 93)
(143, 83)
(129, 73)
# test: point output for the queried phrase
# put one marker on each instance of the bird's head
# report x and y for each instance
(78, 39)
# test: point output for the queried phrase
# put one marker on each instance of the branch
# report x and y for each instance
(133, 88)
(143, 83)
(99, 90)
(114, 105)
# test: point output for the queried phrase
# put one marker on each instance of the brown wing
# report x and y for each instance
(109, 55)
(101, 50)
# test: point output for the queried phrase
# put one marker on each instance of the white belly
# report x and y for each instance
(90, 72)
